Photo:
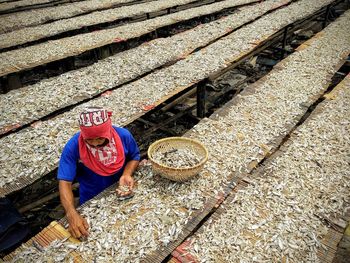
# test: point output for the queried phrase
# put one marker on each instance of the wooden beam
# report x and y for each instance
(43, 200)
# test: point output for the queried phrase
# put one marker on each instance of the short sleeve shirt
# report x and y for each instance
(91, 183)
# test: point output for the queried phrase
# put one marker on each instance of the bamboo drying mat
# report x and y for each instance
(16, 68)
(333, 237)
(23, 182)
(326, 253)
(54, 231)
(180, 254)
(46, 235)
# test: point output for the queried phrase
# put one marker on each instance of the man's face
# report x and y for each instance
(96, 142)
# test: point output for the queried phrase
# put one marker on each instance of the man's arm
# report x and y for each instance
(78, 226)
(134, 158)
(126, 178)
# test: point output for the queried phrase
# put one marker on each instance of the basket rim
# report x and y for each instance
(205, 159)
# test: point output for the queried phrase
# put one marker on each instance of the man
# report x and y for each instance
(97, 156)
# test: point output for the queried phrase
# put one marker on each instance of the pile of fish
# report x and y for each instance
(57, 251)
(5, 5)
(279, 216)
(177, 158)
(131, 230)
(17, 20)
(71, 46)
(25, 35)
(36, 150)
(30, 103)
(128, 230)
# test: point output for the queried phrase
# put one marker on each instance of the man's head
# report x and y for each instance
(97, 142)
(100, 147)
(95, 126)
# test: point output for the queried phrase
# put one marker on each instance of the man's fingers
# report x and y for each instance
(131, 184)
(76, 232)
(120, 193)
(124, 193)
(83, 231)
(71, 232)
(121, 181)
(86, 224)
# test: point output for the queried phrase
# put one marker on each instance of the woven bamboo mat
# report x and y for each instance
(147, 29)
(234, 61)
(333, 237)
(8, 128)
(180, 253)
(54, 231)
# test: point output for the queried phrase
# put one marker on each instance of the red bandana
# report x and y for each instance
(105, 160)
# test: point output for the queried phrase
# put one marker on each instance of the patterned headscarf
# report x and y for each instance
(107, 159)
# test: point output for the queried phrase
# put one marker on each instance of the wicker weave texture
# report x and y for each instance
(172, 143)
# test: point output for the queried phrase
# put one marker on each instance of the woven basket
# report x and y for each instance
(171, 143)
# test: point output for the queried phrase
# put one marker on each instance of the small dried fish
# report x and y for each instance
(21, 3)
(31, 56)
(38, 148)
(177, 158)
(123, 188)
(160, 210)
(21, 106)
(38, 16)
(286, 225)
(57, 251)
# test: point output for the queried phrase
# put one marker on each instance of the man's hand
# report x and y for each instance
(78, 226)
(126, 180)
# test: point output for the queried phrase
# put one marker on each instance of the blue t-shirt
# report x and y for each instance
(91, 184)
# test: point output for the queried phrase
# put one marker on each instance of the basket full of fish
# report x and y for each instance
(177, 158)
